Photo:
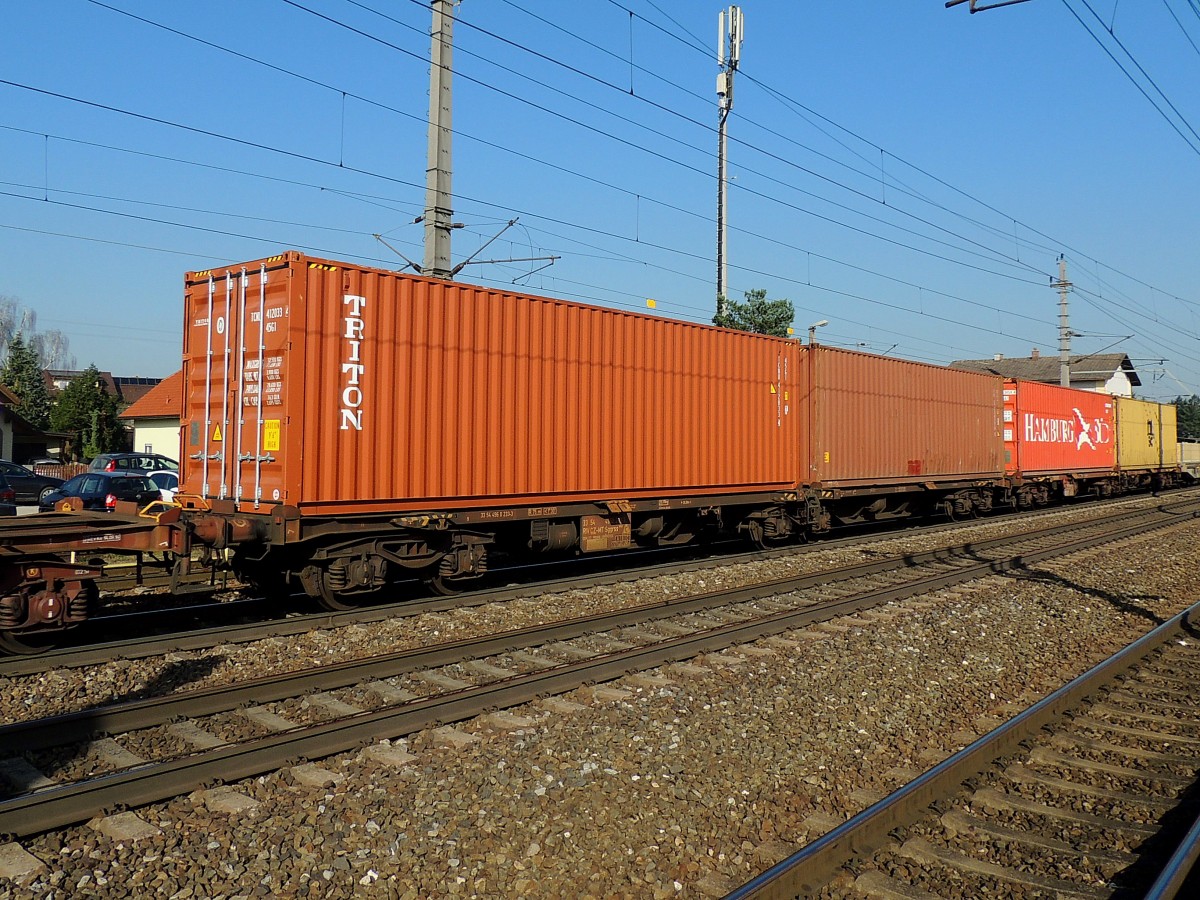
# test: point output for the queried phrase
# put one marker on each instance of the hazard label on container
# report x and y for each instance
(271, 434)
(216, 433)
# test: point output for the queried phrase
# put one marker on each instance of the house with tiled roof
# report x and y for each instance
(155, 418)
(20, 440)
(126, 388)
(1105, 373)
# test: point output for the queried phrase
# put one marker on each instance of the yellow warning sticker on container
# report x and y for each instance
(271, 434)
(216, 433)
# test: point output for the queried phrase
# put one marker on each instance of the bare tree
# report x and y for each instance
(52, 349)
(9, 314)
(52, 346)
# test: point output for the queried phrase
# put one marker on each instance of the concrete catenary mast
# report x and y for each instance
(730, 29)
(437, 175)
(1064, 330)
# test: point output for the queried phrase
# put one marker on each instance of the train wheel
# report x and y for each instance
(443, 587)
(30, 643)
(336, 601)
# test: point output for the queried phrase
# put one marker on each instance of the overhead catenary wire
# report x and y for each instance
(1186, 33)
(697, 170)
(696, 46)
(671, 160)
(1053, 244)
(572, 225)
(1194, 147)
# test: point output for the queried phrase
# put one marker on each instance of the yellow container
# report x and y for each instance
(1146, 435)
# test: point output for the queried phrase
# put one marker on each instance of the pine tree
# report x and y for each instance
(1188, 412)
(89, 413)
(22, 374)
(758, 314)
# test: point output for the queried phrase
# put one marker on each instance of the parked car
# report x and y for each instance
(8, 498)
(102, 490)
(29, 486)
(168, 483)
(133, 462)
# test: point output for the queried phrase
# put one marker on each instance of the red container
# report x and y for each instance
(878, 421)
(335, 388)
(1050, 429)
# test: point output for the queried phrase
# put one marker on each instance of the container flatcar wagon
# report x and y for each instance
(891, 437)
(358, 420)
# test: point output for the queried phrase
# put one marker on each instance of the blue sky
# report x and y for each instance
(907, 172)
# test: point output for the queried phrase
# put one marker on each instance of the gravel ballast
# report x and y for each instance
(679, 788)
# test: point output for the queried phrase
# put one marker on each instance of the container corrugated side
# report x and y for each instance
(1142, 438)
(1170, 435)
(408, 393)
(1188, 454)
(878, 420)
(1050, 429)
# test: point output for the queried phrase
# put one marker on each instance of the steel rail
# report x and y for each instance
(807, 870)
(1178, 868)
(58, 806)
(206, 638)
(37, 734)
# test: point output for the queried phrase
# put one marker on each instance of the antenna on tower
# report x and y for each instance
(730, 29)
(975, 7)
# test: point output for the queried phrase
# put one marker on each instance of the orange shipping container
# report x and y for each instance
(336, 388)
(880, 421)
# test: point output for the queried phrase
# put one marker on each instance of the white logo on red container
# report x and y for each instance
(1085, 431)
(1078, 431)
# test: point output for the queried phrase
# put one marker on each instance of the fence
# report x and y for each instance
(62, 470)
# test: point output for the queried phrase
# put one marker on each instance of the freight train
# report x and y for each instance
(347, 427)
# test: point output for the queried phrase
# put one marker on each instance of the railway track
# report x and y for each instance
(191, 631)
(1106, 804)
(160, 747)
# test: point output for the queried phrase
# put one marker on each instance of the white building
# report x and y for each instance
(155, 418)
(1104, 373)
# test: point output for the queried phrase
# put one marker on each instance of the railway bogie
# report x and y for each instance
(42, 596)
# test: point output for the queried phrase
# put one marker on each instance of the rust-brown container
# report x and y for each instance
(875, 420)
(336, 388)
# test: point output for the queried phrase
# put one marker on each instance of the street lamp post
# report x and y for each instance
(812, 330)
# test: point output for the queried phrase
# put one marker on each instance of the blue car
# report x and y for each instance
(29, 486)
(102, 490)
